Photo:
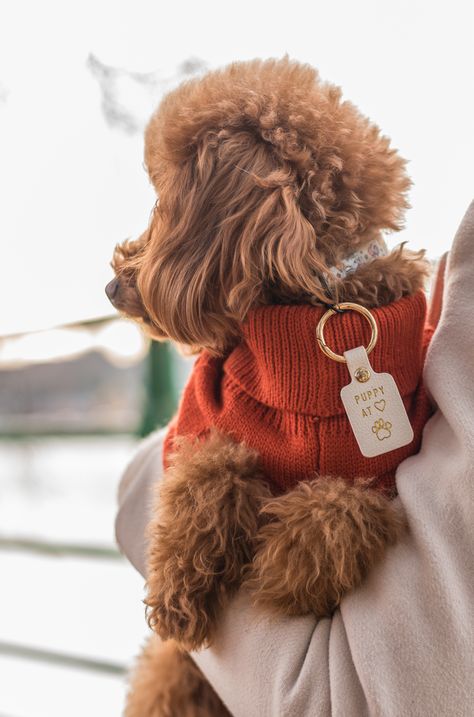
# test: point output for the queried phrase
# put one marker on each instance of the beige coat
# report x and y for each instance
(402, 645)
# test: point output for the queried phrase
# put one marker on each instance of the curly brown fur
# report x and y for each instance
(401, 273)
(202, 536)
(265, 177)
(322, 539)
(127, 298)
(125, 257)
(166, 682)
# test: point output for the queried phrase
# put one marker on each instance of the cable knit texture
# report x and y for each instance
(279, 393)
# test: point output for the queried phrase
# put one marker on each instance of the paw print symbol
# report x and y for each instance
(382, 429)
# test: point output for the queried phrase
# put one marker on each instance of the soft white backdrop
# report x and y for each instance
(71, 186)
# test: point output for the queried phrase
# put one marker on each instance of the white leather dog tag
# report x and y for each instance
(374, 407)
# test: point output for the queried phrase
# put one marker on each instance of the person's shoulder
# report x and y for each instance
(149, 450)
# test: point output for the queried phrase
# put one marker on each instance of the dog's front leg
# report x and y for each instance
(320, 541)
(202, 536)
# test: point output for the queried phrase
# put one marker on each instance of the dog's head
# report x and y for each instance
(265, 178)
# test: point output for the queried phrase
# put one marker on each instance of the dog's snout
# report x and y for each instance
(111, 289)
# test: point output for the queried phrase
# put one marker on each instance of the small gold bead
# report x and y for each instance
(362, 375)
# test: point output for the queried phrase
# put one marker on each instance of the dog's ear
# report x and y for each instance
(228, 234)
(281, 257)
(265, 177)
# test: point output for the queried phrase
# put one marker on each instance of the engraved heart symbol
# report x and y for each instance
(380, 405)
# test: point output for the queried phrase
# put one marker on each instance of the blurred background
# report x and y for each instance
(78, 384)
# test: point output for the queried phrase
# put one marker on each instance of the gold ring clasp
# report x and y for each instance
(330, 312)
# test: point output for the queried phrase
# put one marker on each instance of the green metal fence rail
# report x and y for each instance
(59, 550)
(160, 390)
(160, 401)
(160, 394)
(25, 652)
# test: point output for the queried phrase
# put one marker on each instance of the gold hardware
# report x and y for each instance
(322, 323)
(362, 375)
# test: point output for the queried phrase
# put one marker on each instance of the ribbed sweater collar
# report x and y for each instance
(280, 365)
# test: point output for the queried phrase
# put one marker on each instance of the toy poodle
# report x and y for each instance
(273, 197)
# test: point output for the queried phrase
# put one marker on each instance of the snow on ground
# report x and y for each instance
(64, 490)
(39, 690)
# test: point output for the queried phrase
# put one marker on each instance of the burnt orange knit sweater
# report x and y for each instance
(279, 393)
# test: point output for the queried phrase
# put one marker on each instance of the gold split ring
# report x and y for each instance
(345, 306)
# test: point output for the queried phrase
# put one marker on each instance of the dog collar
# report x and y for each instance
(374, 249)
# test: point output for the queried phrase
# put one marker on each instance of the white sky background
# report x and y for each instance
(71, 186)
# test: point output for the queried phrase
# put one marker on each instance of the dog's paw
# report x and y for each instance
(180, 611)
(321, 540)
(202, 537)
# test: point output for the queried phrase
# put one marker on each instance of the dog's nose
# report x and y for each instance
(111, 289)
